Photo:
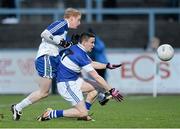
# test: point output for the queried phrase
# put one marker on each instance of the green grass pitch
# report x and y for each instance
(133, 112)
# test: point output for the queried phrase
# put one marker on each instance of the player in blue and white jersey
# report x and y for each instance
(53, 40)
(71, 85)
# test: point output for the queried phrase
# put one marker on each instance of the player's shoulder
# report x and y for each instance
(59, 22)
(62, 20)
(77, 49)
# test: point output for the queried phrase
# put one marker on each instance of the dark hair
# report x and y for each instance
(86, 35)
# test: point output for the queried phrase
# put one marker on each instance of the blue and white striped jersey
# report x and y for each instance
(60, 28)
(73, 60)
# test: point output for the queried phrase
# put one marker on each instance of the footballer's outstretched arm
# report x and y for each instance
(98, 65)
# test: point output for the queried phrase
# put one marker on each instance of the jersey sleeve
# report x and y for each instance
(57, 27)
(88, 68)
(85, 62)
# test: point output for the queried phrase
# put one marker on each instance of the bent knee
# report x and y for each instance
(93, 94)
(44, 94)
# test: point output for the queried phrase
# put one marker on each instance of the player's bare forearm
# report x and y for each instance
(98, 65)
(103, 83)
(100, 80)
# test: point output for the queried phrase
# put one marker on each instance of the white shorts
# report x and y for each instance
(71, 91)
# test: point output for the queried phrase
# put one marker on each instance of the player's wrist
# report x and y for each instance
(111, 90)
(107, 65)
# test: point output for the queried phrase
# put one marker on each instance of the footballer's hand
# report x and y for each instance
(113, 66)
(116, 95)
(63, 43)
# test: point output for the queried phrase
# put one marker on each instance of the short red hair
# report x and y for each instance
(71, 12)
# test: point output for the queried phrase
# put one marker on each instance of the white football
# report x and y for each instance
(165, 52)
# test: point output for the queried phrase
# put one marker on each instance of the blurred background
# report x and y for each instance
(129, 30)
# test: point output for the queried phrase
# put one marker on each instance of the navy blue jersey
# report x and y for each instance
(73, 60)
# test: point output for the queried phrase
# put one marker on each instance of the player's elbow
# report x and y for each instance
(42, 34)
(45, 34)
(91, 95)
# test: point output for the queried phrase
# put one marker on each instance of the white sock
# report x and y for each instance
(24, 103)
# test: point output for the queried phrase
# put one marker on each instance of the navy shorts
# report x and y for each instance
(46, 66)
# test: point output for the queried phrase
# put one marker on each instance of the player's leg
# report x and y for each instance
(77, 111)
(88, 88)
(42, 92)
(45, 66)
(82, 86)
(71, 92)
(102, 97)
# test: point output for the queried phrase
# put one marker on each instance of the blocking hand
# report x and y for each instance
(113, 66)
(116, 95)
(64, 43)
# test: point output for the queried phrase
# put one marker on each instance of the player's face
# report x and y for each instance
(89, 44)
(75, 22)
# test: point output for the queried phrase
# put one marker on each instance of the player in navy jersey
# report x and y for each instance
(53, 40)
(71, 85)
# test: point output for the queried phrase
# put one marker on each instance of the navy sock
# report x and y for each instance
(56, 113)
(88, 105)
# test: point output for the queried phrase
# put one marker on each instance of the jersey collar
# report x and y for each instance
(67, 22)
(81, 47)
